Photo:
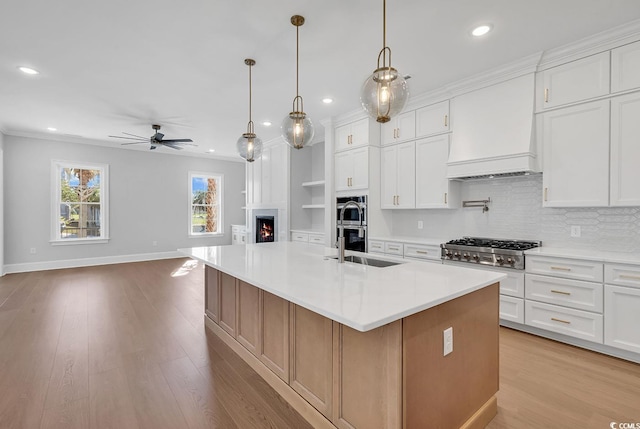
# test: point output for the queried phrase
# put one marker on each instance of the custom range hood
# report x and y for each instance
(494, 131)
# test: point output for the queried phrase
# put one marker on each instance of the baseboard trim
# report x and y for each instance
(481, 418)
(88, 262)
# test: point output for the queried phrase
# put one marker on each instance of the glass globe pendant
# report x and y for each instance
(296, 128)
(249, 145)
(385, 92)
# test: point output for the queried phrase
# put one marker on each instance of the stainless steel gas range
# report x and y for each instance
(487, 252)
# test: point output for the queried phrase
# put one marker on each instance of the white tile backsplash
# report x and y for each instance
(516, 212)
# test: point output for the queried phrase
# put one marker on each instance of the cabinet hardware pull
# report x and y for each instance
(545, 193)
(546, 95)
(561, 321)
(445, 198)
(394, 133)
(394, 248)
(561, 268)
(398, 199)
(422, 252)
(628, 277)
(398, 133)
(446, 120)
(560, 292)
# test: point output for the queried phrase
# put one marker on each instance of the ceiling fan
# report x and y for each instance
(156, 140)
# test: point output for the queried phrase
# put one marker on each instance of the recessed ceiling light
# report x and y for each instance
(52, 129)
(327, 100)
(28, 70)
(211, 150)
(266, 123)
(481, 30)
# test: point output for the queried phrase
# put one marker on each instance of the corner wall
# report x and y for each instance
(1, 204)
(148, 203)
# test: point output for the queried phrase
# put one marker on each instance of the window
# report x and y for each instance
(205, 195)
(80, 195)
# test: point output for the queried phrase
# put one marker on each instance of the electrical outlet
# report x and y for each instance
(575, 231)
(420, 224)
(447, 335)
(32, 250)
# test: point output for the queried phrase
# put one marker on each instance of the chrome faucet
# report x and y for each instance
(341, 227)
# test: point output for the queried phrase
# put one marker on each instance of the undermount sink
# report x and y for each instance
(369, 261)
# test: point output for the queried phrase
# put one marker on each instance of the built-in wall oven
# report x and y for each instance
(353, 223)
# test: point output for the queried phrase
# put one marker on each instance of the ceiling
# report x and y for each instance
(121, 65)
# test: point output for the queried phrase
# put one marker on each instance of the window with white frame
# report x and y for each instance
(80, 196)
(205, 197)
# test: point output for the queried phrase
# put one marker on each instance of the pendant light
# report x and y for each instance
(249, 145)
(297, 128)
(385, 92)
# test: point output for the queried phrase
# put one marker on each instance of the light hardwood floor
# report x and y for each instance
(124, 346)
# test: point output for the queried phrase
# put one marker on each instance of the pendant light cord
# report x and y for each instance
(297, 58)
(250, 94)
(384, 31)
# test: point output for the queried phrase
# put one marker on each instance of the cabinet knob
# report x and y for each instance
(546, 95)
(446, 120)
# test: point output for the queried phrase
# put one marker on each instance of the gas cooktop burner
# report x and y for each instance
(488, 251)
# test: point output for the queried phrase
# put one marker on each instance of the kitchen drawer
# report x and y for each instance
(421, 251)
(376, 246)
(512, 309)
(393, 248)
(575, 323)
(569, 293)
(300, 236)
(623, 275)
(316, 238)
(563, 267)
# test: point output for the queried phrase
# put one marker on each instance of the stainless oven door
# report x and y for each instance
(352, 239)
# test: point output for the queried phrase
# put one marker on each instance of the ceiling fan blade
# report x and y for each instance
(177, 141)
(129, 134)
(123, 144)
(131, 138)
(172, 146)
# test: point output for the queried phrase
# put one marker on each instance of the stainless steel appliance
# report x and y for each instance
(354, 222)
(488, 251)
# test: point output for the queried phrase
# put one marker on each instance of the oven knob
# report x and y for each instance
(456, 255)
(476, 258)
(448, 254)
(500, 260)
(466, 256)
(511, 261)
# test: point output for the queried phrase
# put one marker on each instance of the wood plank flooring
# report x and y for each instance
(124, 346)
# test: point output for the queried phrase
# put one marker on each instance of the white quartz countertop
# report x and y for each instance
(359, 296)
(588, 254)
(412, 240)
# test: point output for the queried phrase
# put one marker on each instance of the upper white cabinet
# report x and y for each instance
(625, 150)
(625, 67)
(433, 119)
(399, 129)
(398, 176)
(433, 189)
(352, 135)
(575, 81)
(576, 156)
(352, 169)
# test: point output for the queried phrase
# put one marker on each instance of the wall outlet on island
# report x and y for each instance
(448, 341)
(420, 224)
(575, 231)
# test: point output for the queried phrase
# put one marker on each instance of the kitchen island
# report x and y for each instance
(356, 346)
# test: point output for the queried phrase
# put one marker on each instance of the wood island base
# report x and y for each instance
(391, 377)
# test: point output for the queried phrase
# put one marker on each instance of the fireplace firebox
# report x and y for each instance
(265, 229)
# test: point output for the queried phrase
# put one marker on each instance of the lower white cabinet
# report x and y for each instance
(393, 248)
(622, 317)
(307, 237)
(569, 293)
(238, 234)
(511, 309)
(576, 323)
(422, 252)
(300, 236)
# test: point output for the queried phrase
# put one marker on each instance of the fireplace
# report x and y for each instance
(265, 229)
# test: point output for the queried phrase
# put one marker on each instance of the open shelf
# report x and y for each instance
(313, 184)
(313, 206)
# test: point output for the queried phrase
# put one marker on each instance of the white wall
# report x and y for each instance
(516, 212)
(1, 204)
(148, 201)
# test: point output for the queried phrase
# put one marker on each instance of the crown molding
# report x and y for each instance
(599, 42)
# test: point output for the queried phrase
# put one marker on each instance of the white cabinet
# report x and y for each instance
(576, 269)
(398, 176)
(622, 317)
(352, 169)
(307, 237)
(422, 252)
(625, 150)
(238, 234)
(511, 309)
(352, 135)
(569, 293)
(575, 81)
(399, 129)
(393, 248)
(433, 189)
(625, 67)
(576, 156)
(575, 323)
(433, 119)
